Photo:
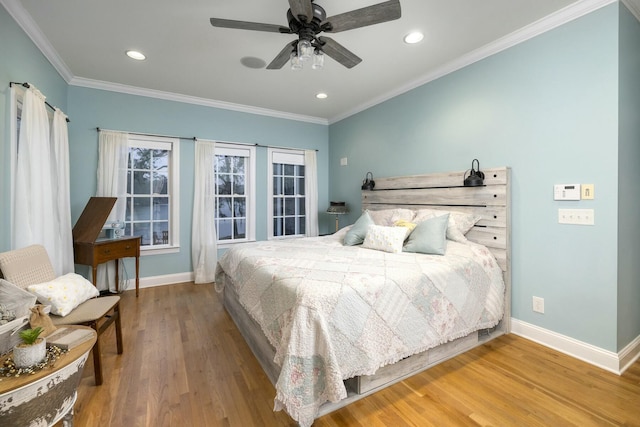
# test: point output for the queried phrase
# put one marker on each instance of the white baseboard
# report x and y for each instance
(629, 354)
(167, 279)
(608, 360)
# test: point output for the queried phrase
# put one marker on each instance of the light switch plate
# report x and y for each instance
(576, 216)
(566, 192)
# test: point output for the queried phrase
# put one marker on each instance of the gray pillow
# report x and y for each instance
(355, 236)
(429, 237)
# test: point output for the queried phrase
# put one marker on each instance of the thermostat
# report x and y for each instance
(566, 192)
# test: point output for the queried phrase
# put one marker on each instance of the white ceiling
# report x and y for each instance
(189, 60)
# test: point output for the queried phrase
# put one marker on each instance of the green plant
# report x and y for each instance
(29, 336)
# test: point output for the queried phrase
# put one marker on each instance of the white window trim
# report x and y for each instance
(240, 149)
(279, 155)
(173, 144)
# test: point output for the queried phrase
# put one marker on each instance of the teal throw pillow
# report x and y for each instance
(429, 237)
(355, 236)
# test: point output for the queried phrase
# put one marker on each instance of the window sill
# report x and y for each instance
(227, 245)
(144, 251)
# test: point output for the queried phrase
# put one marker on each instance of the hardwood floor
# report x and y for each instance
(186, 364)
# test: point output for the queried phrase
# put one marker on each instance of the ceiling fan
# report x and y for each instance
(308, 20)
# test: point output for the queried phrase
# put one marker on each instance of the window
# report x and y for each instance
(235, 196)
(287, 193)
(152, 191)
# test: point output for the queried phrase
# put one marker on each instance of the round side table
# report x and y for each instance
(46, 397)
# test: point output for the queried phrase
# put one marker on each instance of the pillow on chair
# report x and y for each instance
(64, 293)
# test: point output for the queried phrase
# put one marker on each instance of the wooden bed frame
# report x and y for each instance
(434, 191)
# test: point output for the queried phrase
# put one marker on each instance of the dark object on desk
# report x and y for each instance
(337, 208)
(89, 250)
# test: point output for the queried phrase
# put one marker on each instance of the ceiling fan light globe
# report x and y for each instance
(318, 61)
(305, 50)
(296, 63)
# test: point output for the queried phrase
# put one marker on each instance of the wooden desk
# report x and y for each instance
(47, 396)
(101, 251)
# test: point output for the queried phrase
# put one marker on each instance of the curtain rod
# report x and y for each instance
(148, 134)
(196, 138)
(27, 85)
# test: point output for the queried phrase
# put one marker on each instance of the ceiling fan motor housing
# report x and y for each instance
(319, 15)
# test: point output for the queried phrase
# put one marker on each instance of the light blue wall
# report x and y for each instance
(20, 61)
(628, 190)
(91, 108)
(548, 108)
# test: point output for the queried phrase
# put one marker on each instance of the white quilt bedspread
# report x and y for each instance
(333, 312)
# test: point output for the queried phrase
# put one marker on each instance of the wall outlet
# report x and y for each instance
(344, 161)
(538, 305)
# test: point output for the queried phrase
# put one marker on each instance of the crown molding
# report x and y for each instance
(633, 6)
(29, 26)
(169, 96)
(567, 14)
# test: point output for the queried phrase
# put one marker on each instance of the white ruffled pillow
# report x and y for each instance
(388, 217)
(459, 222)
(64, 293)
(388, 239)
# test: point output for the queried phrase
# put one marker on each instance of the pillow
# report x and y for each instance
(358, 231)
(429, 237)
(388, 239)
(64, 293)
(407, 224)
(388, 217)
(459, 222)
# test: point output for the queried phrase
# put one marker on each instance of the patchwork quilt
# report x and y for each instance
(333, 312)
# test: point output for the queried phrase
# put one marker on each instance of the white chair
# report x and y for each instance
(31, 265)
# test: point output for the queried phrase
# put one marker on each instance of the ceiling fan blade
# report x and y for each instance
(301, 9)
(370, 15)
(339, 52)
(244, 25)
(282, 58)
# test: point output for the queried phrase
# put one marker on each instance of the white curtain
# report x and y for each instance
(204, 250)
(61, 198)
(311, 192)
(113, 152)
(33, 210)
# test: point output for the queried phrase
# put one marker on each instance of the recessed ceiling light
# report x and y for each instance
(413, 37)
(134, 54)
(252, 62)
(321, 95)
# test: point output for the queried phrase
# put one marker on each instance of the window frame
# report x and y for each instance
(249, 152)
(289, 156)
(173, 191)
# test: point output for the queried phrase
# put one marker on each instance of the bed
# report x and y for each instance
(332, 323)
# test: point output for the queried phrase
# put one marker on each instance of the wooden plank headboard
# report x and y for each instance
(445, 191)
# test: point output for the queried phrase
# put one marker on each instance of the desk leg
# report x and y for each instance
(95, 275)
(137, 275)
(117, 275)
